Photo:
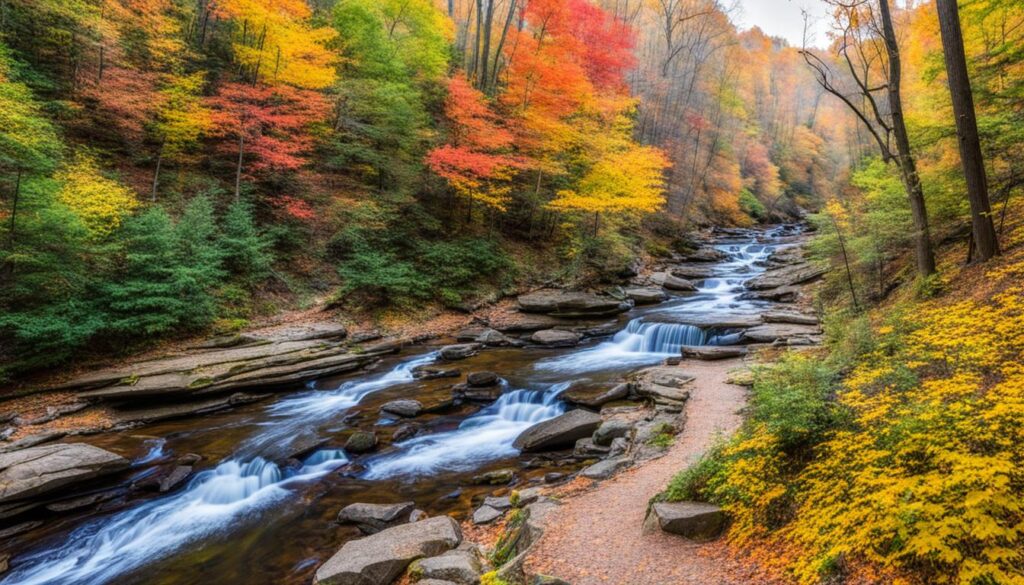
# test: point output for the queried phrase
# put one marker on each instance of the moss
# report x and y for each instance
(505, 548)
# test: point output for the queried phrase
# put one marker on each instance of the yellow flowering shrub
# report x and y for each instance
(100, 202)
(923, 472)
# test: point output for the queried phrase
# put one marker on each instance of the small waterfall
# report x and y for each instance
(668, 338)
(485, 436)
(213, 502)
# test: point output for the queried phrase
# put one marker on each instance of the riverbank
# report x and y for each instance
(441, 424)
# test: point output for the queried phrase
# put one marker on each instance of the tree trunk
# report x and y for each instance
(485, 56)
(475, 63)
(846, 261)
(501, 42)
(908, 168)
(967, 130)
(238, 169)
(156, 174)
(11, 231)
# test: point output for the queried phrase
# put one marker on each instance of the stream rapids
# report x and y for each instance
(247, 518)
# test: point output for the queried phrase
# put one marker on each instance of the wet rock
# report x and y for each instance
(482, 379)
(486, 514)
(189, 459)
(559, 303)
(30, 472)
(596, 400)
(771, 332)
(32, 441)
(5, 563)
(404, 408)
(530, 322)
(792, 317)
(555, 338)
(404, 432)
(492, 338)
(646, 296)
(676, 283)
(361, 442)
(783, 294)
(787, 276)
(610, 430)
(457, 566)
(706, 320)
(553, 477)
(85, 501)
(460, 351)
(496, 477)
(559, 432)
(586, 449)
(713, 352)
(706, 255)
(12, 531)
(379, 559)
(692, 271)
(372, 518)
(605, 469)
(435, 372)
(485, 394)
(693, 520)
(175, 478)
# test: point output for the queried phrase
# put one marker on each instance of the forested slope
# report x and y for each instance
(172, 166)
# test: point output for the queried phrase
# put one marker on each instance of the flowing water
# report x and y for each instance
(257, 515)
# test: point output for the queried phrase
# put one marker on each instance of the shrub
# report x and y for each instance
(696, 483)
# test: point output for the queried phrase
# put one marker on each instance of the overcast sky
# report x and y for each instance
(783, 18)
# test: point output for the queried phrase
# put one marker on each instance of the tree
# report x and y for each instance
(181, 120)
(984, 232)
(868, 47)
(246, 251)
(100, 202)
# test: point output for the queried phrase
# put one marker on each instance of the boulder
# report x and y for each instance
(663, 384)
(586, 449)
(380, 558)
(457, 566)
(713, 352)
(555, 338)
(692, 271)
(559, 303)
(361, 442)
(406, 408)
(605, 469)
(619, 447)
(28, 473)
(498, 503)
(404, 432)
(559, 432)
(486, 514)
(482, 379)
(175, 478)
(673, 282)
(492, 338)
(791, 317)
(372, 518)
(610, 430)
(787, 276)
(459, 352)
(646, 296)
(772, 332)
(694, 520)
(596, 399)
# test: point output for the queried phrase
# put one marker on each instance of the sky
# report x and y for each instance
(783, 18)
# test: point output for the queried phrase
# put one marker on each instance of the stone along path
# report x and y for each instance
(596, 538)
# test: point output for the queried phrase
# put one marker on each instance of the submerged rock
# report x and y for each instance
(379, 559)
(559, 432)
(404, 408)
(34, 471)
(460, 351)
(361, 442)
(482, 379)
(372, 518)
(694, 520)
(496, 477)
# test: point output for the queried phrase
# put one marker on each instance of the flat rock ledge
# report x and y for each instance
(35, 471)
(694, 520)
(713, 352)
(572, 305)
(379, 559)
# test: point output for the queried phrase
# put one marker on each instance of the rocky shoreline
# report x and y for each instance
(605, 432)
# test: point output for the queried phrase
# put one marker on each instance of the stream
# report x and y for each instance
(246, 519)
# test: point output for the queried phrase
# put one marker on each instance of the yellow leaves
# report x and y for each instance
(100, 202)
(626, 180)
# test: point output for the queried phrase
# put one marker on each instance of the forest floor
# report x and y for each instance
(596, 537)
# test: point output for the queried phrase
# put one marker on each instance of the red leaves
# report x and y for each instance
(272, 120)
(294, 208)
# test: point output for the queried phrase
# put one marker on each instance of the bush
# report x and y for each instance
(752, 206)
(696, 483)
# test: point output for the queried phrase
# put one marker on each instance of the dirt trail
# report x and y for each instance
(596, 538)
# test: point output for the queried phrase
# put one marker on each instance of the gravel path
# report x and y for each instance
(596, 539)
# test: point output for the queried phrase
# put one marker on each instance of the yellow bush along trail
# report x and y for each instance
(924, 473)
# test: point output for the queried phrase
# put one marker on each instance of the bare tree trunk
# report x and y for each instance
(238, 169)
(485, 56)
(846, 261)
(156, 174)
(908, 168)
(501, 42)
(967, 130)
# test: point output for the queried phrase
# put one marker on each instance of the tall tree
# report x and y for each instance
(868, 48)
(984, 231)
